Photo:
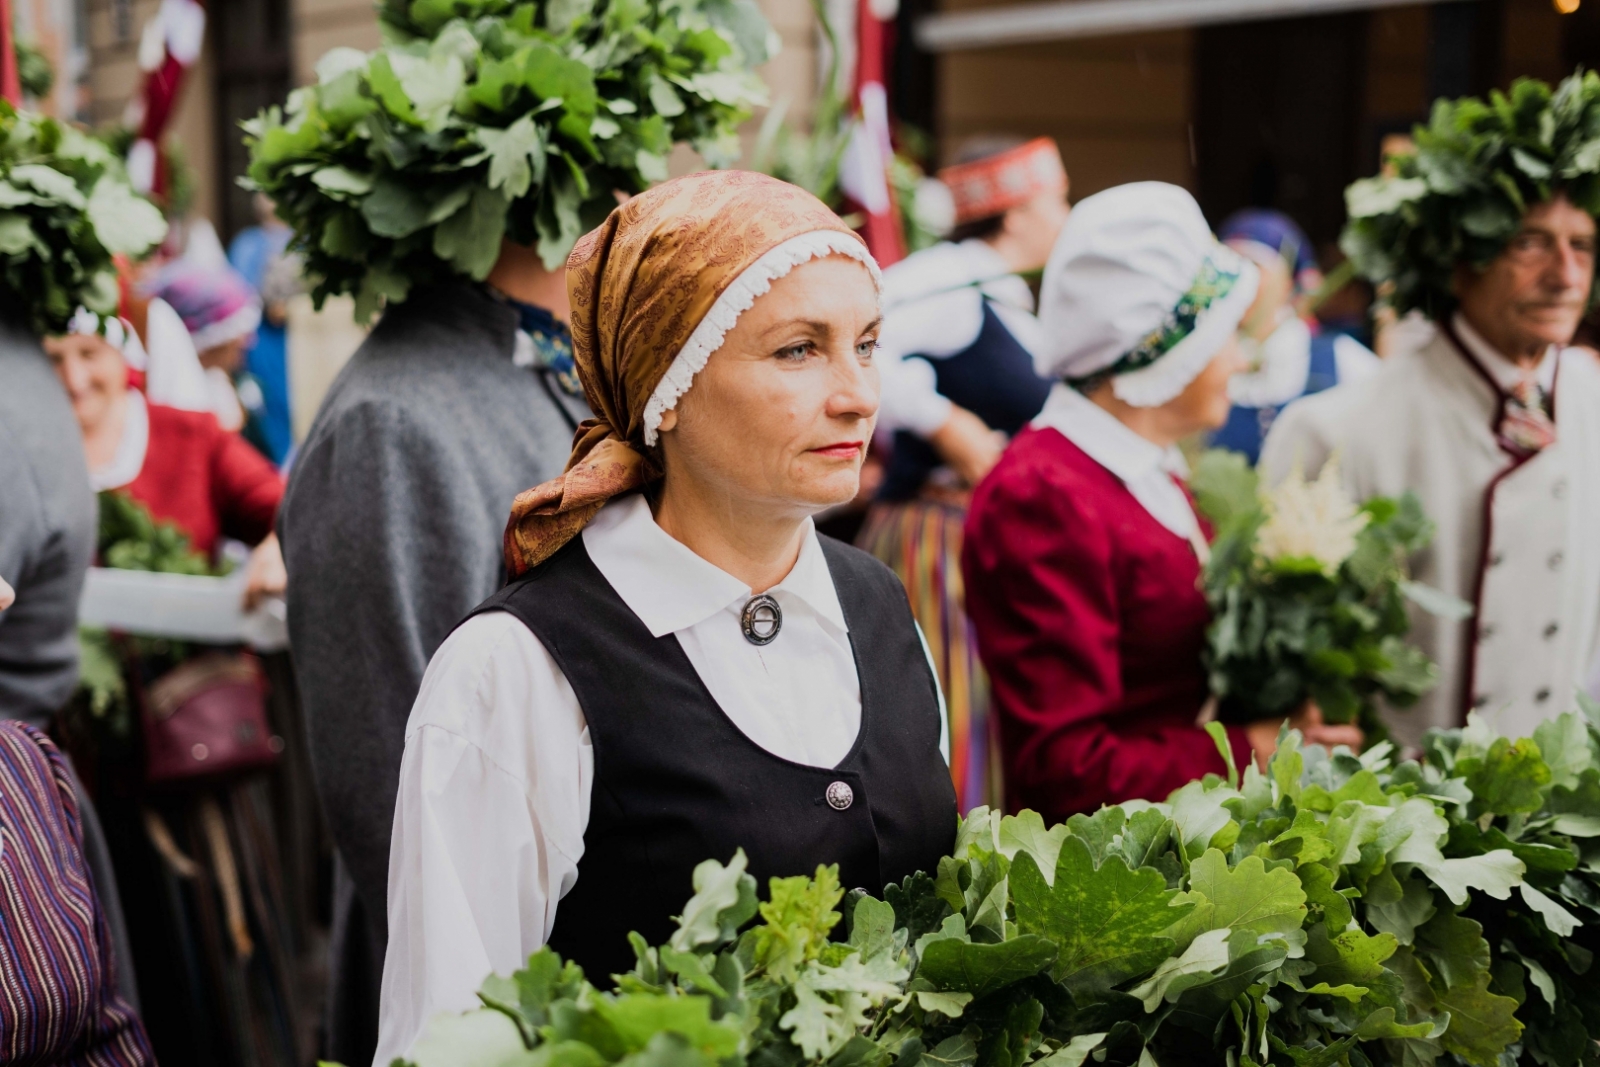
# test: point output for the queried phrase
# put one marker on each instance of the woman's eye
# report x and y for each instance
(865, 349)
(796, 353)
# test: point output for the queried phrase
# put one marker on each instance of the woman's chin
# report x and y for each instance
(820, 494)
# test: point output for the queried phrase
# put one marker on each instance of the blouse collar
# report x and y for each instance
(1147, 469)
(671, 588)
(128, 461)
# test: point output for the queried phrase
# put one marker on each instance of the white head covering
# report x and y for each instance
(176, 377)
(117, 331)
(1139, 292)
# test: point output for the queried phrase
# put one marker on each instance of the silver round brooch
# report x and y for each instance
(761, 619)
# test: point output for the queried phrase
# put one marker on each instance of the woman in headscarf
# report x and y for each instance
(682, 666)
(1082, 548)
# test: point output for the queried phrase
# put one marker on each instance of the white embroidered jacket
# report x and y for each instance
(1519, 540)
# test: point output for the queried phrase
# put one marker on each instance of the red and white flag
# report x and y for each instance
(864, 169)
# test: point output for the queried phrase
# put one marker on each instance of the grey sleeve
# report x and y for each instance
(388, 545)
(44, 555)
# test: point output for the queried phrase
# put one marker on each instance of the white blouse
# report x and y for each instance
(498, 765)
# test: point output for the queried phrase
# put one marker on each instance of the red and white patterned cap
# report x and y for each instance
(998, 183)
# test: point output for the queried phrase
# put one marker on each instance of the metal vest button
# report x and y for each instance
(840, 796)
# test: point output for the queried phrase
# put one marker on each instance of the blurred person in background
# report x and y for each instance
(181, 465)
(61, 1003)
(254, 253)
(1083, 550)
(221, 313)
(226, 993)
(1288, 354)
(957, 350)
(1494, 423)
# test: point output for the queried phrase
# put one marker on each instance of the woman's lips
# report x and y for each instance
(842, 450)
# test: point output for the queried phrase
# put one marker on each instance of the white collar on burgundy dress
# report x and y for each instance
(1147, 469)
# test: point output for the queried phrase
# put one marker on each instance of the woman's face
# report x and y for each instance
(94, 373)
(1205, 404)
(782, 413)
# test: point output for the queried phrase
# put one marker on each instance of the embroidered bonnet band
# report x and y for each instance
(1212, 282)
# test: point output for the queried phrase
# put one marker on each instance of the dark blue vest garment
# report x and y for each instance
(993, 378)
(676, 782)
(1247, 427)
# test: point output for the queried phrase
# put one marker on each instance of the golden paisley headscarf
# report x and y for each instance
(654, 291)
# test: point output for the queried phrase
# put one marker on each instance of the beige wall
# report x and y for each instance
(114, 77)
(1118, 106)
(319, 25)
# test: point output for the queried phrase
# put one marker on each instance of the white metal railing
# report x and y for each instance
(1056, 20)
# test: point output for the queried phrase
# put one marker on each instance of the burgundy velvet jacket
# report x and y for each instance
(1090, 623)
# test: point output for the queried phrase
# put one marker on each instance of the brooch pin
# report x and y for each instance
(761, 619)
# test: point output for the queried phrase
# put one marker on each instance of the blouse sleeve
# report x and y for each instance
(1042, 594)
(246, 488)
(488, 825)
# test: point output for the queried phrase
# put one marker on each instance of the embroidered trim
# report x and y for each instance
(1163, 380)
(736, 299)
(1212, 282)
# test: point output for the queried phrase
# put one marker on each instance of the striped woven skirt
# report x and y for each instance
(921, 542)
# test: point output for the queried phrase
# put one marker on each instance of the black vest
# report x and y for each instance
(676, 782)
(993, 378)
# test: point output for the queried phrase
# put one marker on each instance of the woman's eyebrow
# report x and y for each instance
(814, 326)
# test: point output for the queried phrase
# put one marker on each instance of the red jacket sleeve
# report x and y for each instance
(245, 488)
(1041, 575)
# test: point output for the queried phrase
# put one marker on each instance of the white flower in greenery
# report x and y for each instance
(1313, 520)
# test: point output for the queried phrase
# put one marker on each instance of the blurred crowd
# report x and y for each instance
(1045, 368)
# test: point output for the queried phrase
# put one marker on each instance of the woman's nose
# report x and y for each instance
(857, 390)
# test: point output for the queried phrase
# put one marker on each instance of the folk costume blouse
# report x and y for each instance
(1081, 570)
(498, 769)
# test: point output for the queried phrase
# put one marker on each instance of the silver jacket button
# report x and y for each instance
(840, 796)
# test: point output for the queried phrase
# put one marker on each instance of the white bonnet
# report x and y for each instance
(117, 331)
(1140, 292)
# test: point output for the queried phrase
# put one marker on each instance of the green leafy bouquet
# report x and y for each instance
(65, 210)
(1308, 594)
(484, 119)
(1479, 166)
(1334, 910)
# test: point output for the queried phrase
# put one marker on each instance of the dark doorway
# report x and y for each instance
(1277, 117)
(251, 38)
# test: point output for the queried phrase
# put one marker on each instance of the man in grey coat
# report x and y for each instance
(391, 531)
